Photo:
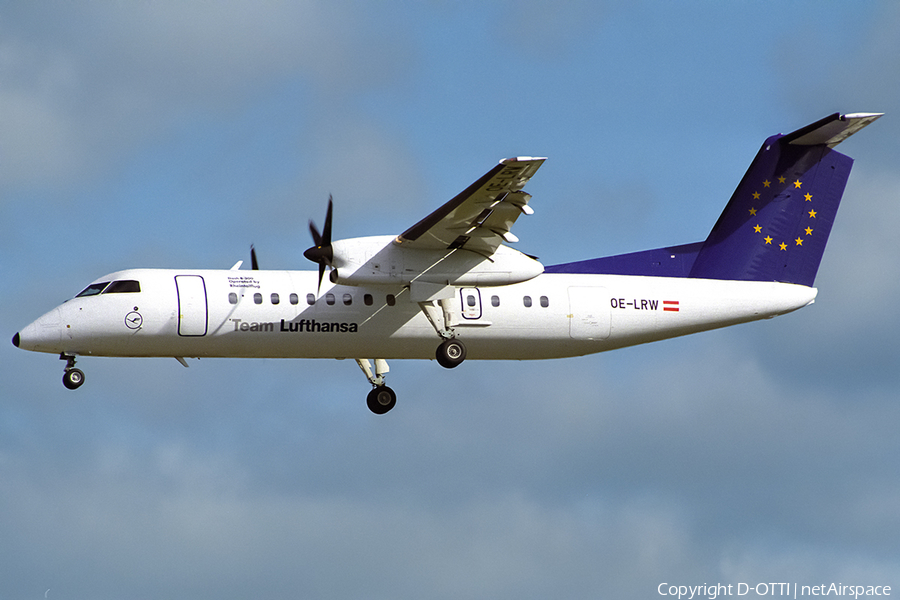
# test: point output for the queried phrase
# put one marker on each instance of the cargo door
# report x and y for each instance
(588, 313)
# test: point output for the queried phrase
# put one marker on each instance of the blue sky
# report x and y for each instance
(175, 135)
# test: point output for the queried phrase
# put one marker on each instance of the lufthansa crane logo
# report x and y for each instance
(134, 320)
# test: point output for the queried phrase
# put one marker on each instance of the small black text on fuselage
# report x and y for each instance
(301, 326)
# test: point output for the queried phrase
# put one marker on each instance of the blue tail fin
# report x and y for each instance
(777, 222)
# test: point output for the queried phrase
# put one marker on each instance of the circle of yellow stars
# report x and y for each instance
(811, 213)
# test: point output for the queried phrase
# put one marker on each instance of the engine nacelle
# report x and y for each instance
(378, 260)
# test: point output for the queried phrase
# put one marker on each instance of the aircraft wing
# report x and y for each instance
(480, 217)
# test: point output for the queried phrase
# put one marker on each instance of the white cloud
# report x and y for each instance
(80, 89)
(859, 261)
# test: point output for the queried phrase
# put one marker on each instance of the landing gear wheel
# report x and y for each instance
(73, 378)
(381, 399)
(451, 353)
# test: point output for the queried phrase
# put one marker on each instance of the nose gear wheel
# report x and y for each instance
(72, 378)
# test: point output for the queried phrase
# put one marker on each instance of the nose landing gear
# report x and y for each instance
(72, 377)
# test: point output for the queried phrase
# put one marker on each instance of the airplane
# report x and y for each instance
(451, 288)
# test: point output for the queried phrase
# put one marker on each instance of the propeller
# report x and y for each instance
(322, 253)
(253, 262)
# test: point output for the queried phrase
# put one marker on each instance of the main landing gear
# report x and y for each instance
(72, 377)
(382, 398)
(451, 352)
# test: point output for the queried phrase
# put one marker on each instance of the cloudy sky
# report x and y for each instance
(159, 134)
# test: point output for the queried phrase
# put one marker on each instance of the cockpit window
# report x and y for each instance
(93, 289)
(126, 285)
(116, 287)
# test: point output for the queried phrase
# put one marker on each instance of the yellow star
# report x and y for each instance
(812, 214)
(781, 180)
(797, 184)
(757, 228)
(808, 230)
(783, 246)
(768, 239)
(753, 211)
(756, 195)
(799, 241)
(808, 197)
(767, 183)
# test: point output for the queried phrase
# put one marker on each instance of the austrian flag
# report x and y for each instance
(670, 305)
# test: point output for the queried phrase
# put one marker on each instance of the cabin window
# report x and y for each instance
(92, 290)
(391, 300)
(348, 299)
(276, 299)
(471, 301)
(329, 299)
(368, 300)
(122, 287)
(545, 301)
(295, 299)
(310, 299)
(527, 301)
(257, 298)
(232, 298)
(495, 301)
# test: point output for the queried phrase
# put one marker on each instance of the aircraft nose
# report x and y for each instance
(42, 336)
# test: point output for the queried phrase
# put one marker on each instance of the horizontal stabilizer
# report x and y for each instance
(831, 130)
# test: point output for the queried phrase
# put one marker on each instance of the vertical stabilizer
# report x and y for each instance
(777, 222)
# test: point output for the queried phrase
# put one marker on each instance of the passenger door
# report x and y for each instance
(192, 307)
(470, 301)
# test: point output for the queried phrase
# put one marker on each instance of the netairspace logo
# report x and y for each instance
(792, 590)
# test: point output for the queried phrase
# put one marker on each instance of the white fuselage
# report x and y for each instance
(280, 314)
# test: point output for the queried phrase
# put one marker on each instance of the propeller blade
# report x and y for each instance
(316, 236)
(326, 234)
(253, 262)
(322, 253)
(321, 277)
